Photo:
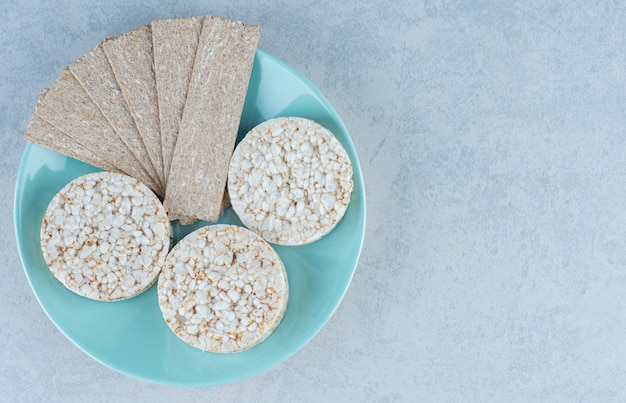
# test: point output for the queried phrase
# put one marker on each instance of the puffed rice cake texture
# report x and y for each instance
(290, 180)
(105, 236)
(223, 289)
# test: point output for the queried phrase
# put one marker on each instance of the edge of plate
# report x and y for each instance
(356, 164)
(19, 184)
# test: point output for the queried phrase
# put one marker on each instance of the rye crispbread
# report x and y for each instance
(68, 107)
(131, 58)
(95, 74)
(211, 116)
(174, 42)
(44, 134)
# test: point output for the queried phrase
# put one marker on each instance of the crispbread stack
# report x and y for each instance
(161, 103)
(95, 74)
(131, 58)
(174, 42)
(41, 132)
(68, 107)
(210, 121)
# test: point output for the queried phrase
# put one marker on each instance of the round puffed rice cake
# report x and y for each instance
(223, 289)
(105, 236)
(290, 180)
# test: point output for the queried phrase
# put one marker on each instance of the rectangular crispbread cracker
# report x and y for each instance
(43, 133)
(190, 220)
(211, 116)
(95, 74)
(68, 107)
(174, 44)
(130, 56)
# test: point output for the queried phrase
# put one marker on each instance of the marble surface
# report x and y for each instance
(492, 137)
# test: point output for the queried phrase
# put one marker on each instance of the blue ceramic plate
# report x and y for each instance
(131, 336)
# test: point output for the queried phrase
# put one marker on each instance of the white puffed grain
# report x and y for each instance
(290, 180)
(105, 236)
(211, 281)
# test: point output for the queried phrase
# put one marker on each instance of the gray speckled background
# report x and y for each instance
(493, 142)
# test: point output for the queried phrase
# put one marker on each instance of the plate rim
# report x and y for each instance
(18, 232)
